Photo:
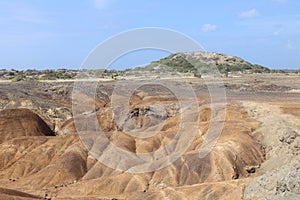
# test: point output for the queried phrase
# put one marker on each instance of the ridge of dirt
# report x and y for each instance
(22, 122)
(280, 135)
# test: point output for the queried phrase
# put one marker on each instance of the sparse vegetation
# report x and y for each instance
(205, 62)
(193, 64)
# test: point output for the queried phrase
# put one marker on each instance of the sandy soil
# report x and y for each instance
(256, 157)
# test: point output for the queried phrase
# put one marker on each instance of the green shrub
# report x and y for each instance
(17, 78)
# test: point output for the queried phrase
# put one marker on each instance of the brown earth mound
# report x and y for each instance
(228, 167)
(21, 122)
(59, 166)
(8, 194)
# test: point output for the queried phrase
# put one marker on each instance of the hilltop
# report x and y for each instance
(202, 62)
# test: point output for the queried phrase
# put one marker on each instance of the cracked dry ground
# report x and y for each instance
(42, 157)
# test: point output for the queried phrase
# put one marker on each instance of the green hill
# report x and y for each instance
(203, 62)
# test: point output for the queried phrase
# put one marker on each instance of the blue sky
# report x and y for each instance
(39, 34)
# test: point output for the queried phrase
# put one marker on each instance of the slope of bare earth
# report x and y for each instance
(256, 156)
(16, 123)
(280, 136)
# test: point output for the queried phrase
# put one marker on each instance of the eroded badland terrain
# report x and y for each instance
(256, 156)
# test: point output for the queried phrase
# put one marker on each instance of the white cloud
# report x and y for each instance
(289, 45)
(102, 4)
(249, 14)
(208, 28)
(277, 29)
(276, 33)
